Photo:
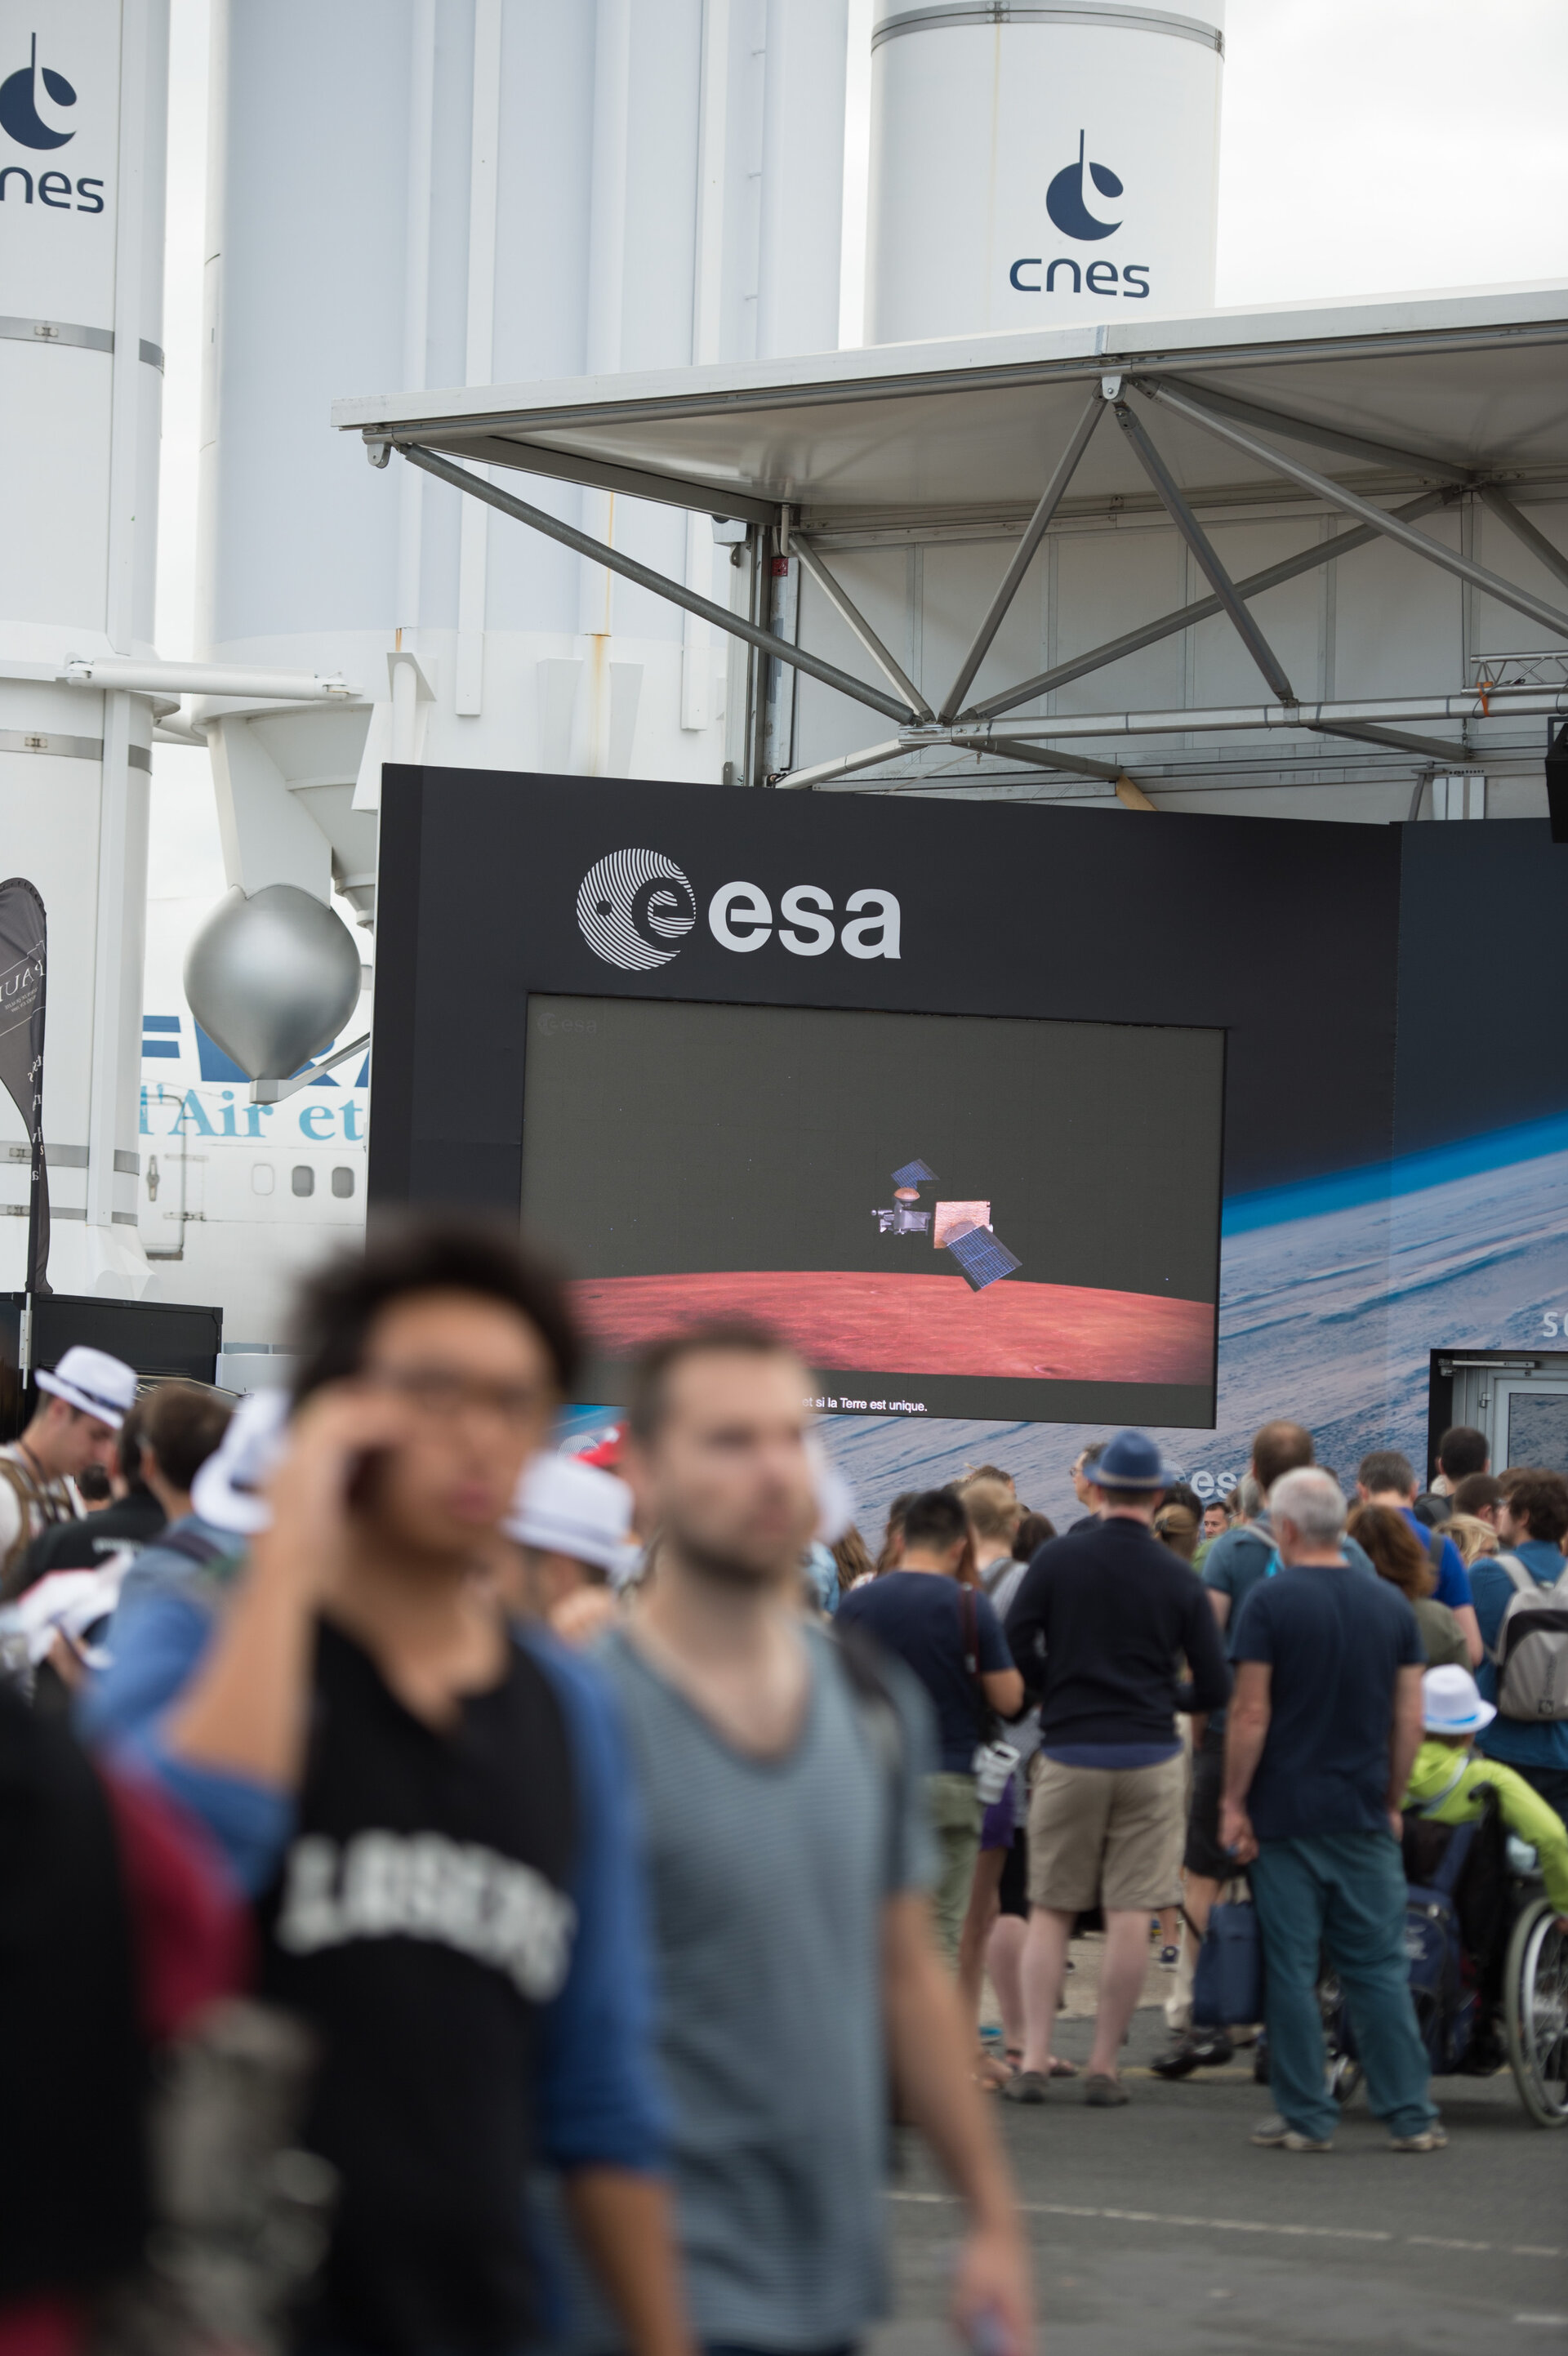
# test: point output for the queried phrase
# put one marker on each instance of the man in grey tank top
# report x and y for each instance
(780, 1787)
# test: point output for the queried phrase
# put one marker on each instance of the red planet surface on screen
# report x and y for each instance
(917, 1325)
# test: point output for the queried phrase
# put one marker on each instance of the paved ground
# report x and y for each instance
(1158, 2228)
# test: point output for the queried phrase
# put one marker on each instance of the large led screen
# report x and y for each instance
(945, 1215)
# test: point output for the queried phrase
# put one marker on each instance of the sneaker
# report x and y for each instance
(1200, 2049)
(1432, 2138)
(1278, 2135)
(1169, 1958)
(1030, 2086)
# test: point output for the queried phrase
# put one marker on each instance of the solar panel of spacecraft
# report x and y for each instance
(963, 1228)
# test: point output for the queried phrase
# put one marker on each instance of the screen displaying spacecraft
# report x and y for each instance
(944, 1215)
(964, 1229)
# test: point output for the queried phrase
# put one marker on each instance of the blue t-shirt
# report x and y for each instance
(1334, 1641)
(1452, 1586)
(1239, 1558)
(918, 1615)
(1519, 1741)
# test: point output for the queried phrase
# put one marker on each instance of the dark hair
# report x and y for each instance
(182, 1424)
(128, 1446)
(893, 1533)
(936, 1519)
(1462, 1451)
(1279, 1448)
(1396, 1554)
(648, 1400)
(1128, 1496)
(336, 1308)
(1181, 1492)
(1541, 1498)
(1476, 1490)
(1090, 1456)
(1386, 1469)
(1032, 1532)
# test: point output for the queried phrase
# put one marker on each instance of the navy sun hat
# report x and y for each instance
(1131, 1461)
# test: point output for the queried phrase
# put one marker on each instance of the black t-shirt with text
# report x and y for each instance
(419, 1921)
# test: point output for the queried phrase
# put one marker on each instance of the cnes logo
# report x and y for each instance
(636, 907)
(1067, 207)
(20, 120)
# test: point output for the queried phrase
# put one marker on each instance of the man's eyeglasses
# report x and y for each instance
(444, 1397)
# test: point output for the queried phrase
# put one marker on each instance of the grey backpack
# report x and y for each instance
(1531, 1651)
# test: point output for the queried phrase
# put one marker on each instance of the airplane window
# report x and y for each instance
(342, 1183)
(303, 1178)
(261, 1178)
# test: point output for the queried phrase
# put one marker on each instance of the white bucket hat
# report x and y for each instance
(94, 1382)
(564, 1507)
(227, 1491)
(1452, 1703)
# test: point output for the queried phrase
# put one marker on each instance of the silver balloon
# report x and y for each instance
(272, 979)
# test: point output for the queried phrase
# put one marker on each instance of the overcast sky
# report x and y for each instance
(1368, 146)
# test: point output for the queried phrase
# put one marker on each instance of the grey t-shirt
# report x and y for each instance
(768, 1878)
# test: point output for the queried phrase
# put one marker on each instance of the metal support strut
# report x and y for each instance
(840, 599)
(1336, 495)
(598, 553)
(1196, 539)
(1024, 556)
(1203, 609)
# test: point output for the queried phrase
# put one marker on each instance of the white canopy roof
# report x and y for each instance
(1466, 382)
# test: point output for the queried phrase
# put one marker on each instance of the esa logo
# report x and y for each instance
(1067, 202)
(20, 121)
(634, 909)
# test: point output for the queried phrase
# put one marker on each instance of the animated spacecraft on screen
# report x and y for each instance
(963, 1228)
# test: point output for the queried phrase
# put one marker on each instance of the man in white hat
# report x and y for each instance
(572, 1523)
(87, 1398)
(1449, 1784)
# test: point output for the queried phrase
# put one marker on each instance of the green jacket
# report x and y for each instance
(1521, 1807)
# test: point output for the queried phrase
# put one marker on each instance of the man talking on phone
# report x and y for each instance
(428, 1809)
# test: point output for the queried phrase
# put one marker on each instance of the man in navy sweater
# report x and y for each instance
(1098, 1627)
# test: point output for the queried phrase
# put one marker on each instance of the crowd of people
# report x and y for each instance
(634, 1847)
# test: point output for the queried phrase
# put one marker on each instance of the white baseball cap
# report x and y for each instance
(564, 1507)
(1452, 1703)
(94, 1382)
(227, 1490)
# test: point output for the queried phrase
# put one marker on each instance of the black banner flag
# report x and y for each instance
(24, 966)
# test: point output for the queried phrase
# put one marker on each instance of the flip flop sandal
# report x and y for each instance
(1028, 2086)
(1103, 2093)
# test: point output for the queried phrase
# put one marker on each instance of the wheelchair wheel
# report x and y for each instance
(1535, 2013)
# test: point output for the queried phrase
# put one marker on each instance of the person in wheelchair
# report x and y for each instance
(1448, 1784)
(1485, 1862)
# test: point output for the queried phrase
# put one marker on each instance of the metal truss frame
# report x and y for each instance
(972, 728)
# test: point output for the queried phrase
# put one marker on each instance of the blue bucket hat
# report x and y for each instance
(1131, 1461)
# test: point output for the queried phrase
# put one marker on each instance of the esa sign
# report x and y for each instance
(634, 909)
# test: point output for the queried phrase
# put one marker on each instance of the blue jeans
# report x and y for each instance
(1345, 1893)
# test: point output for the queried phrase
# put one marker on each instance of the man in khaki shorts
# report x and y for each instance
(1097, 1628)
